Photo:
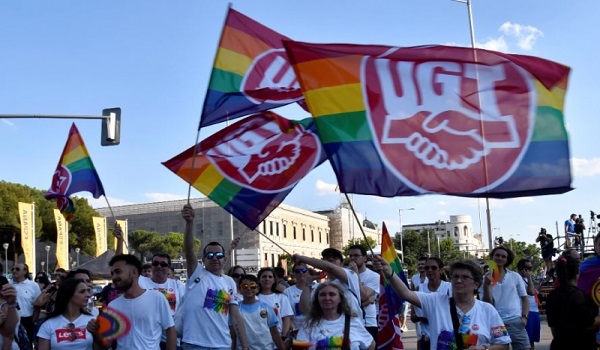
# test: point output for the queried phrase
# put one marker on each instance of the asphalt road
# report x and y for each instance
(409, 338)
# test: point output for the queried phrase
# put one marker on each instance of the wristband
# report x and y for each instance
(390, 276)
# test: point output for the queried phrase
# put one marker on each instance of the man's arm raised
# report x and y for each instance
(188, 239)
(331, 269)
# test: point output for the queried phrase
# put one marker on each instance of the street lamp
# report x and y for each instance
(5, 246)
(401, 233)
(47, 257)
(77, 250)
(43, 263)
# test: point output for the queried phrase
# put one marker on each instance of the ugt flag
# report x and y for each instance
(248, 168)
(437, 119)
(74, 173)
(251, 72)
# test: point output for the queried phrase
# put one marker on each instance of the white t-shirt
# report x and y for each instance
(281, 306)
(416, 280)
(173, 291)
(329, 334)
(533, 306)
(507, 295)
(370, 279)
(293, 294)
(258, 319)
(27, 292)
(444, 288)
(352, 291)
(485, 323)
(61, 337)
(149, 315)
(207, 323)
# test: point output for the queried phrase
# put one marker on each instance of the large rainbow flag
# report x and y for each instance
(389, 337)
(74, 173)
(437, 119)
(251, 72)
(249, 167)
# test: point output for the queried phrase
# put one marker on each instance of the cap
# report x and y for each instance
(332, 252)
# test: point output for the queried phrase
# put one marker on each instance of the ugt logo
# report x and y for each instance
(439, 125)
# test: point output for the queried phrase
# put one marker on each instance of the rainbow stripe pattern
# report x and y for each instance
(389, 335)
(249, 54)
(249, 167)
(432, 119)
(74, 173)
(112, 325)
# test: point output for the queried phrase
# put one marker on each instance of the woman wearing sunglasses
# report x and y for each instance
(259, 318)
(481, 328)
(434, 284)
(293, 292)
(269, 295)
(66, 325)
(236, 272)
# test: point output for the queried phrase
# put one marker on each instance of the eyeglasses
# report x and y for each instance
(236, 275)
(161, 263)
(302, 270)
(249, 285)
(212, 255)
(462, 277)
(16, 269)
(432, 268)
(73, 333)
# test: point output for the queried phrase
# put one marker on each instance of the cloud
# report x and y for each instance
(7, 122)
(526, 35)
(162, 197)
(495, 44)
(323, 188)
(585, 167)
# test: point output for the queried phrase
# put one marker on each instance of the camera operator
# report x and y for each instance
(579, 230)
(547, 245)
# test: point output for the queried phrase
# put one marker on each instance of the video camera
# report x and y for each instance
(593, 215)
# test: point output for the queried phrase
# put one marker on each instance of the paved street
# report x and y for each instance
(410, 340)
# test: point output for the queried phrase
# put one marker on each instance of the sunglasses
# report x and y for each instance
(236, 275)
(73, 333)
(212, 255)
(302, 270)
(161, 263)
(433, 268)
(16, 269)
(249, 285)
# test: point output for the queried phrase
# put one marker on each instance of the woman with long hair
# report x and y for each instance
(434, 269)
(324, 326)
(572, 315)
(509, 297)
(269, 295)
(66, 327)
(481, 328)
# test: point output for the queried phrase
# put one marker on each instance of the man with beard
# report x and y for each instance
(210, 295)
(147, 310)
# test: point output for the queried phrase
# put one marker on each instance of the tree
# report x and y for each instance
(449, 251)
(149, 243)
(369, 243)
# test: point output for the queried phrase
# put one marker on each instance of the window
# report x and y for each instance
(294, 232)
(465, 230)
(271, 228)
(284, 231)
(320, 237)
(312, 235)
(277, 229)
(456, 232)
(303, 234)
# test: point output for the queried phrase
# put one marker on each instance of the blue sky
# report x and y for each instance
(153, 59)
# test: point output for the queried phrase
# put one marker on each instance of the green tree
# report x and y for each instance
(449, 251)
(149, 243)
(369, 243)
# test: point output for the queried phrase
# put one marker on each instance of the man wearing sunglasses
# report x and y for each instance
(369, 285)
(27, 292)
(211, 297)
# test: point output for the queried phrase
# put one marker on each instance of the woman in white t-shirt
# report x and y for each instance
(294, 292)
(66, 327)
(324, 326)
(269, 295)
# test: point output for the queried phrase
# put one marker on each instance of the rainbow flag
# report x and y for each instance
(249, 167)
(389, 336)
(74, 173)
(437, 119)
(251, 72)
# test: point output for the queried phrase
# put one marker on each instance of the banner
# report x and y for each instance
(100, 231)
(62, 241)
(123, 224)
(27, 215)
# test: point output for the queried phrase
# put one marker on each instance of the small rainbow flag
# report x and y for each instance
(437, 119)
(112, 325)
(251, 72)
(249, 167)
(74, 173)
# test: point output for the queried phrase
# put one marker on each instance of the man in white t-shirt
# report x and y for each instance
(211, 297)
(369, 287)
(147, 310)
(416, 280)
(27, 292)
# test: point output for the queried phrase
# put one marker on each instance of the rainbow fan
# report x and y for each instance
(112, 325)
(589, 278)
(495, 271)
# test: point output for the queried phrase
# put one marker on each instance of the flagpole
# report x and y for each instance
(115, 220)
(488, 211)
(359, 224)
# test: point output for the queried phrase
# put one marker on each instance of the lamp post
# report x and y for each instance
(5, 246)
(43, 263)
(47, 257)
(77, 250)
(401, 233)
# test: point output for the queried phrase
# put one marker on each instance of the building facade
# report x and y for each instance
(344, 226)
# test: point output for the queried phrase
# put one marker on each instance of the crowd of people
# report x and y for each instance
(329, 306)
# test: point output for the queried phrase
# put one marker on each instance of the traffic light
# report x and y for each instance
(111, 127)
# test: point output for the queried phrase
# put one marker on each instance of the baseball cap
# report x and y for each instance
(332, 252)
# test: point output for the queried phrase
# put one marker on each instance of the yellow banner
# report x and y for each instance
(27, 215)
(100, 230)
(62, 240)
(123, 224)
